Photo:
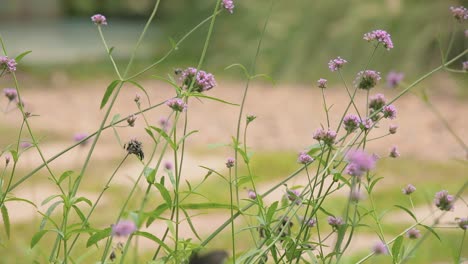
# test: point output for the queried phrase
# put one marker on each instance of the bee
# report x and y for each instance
(177, 71)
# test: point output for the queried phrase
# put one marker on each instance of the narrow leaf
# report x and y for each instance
(396, 248)
(164, 193)
(108, 92)
(165, 136)
(189, 221)
(408, 211)
(208, 206)
(22, 55)
(432, 231)
(142, 89)
(153, 238)
(65, 175)
(6, 220)
(96, 237)
(35, 239)
(150, 174)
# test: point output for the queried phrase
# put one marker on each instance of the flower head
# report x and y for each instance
(164, 123)
(413, 233)
(99, 19)
(394, 152)
(251, 194)
(131, 120)
(377, 101)
(409, 189)
(25, 144)
(335, 222)
(355, 195)
(392, 129)
(123, 228)
(465, 65)
(367, 79)
(293, 196)
(444, 201)
(230, 163)
(351, 122)
(311, 222)
(229, 5)
(380, 248)
(389, 111)
(135, 147)
(381, 36)
(322, 83)
(203, 81)
(359, 162)
(463, 223)
(336, 64)
(366, 124)
(304, 158)
(177, 104)
(78, 137)
(168, 165)
(460, 13)
(10, 93)
(328, 137)
(394, 79)
(8, 64)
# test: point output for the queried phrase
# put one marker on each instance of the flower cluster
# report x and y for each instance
(377, 101)
(99, 19)
(310, 222)
(394, 79)
(413, 233)
(444, 201)
(293, 196)
(459, 13)
(204, 81)
(230, 163)
(463, 223)
(123, 228)
(336, 64)
(359, 162)
(366, 124)
(7, 64)
(251, 194)
(392, 129)
(409, 189)
(381, 36)
(335, 222)
(328, 137)
(10, 93)
(394, 153)
(351, 122)
(390, 111)
(229, 5)
(367, 79)
(304, 158)
(177, 104)
(322, 83)
(164, 123)
(380, 248)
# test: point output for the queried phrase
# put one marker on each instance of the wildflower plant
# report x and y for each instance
(300, 227)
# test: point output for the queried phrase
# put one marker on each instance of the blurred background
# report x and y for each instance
(65, 76)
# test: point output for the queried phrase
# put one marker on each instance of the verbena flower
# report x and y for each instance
(304, 158)
(168, 165)
(135, 147)
(328, 137)
(413, 233)
(351, 122)
(389, 111)
(366, 124)
(293, 196)
(229, 5)
(335, 222)
(10, 93)
(177, 104)
(137, 98)
(123, 228)
(380, 248)
(78, 137)
(131, 120)
(367, 79)
(394, 152)
(251, 194)
(7, 160)
(336, 64)
(356, 195)
(164, 123)
(204, 81)
(409, 189)
(460, 13)
(377, 101)
(322, 83)
(465, 65)
(392, 129)
(25, 144)
(310, 222)
(444, 201)
(230, 162)
(394, 79)
(359, 162)
(463, 223)
(8, 64)
(99, 19)
(380, 36)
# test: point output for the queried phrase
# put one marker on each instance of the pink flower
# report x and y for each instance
(381, 36)
(322, 83)
(394, 79)
(99, 19)
(359, 162)
(304, 158)
(336, 64)
(444, 201)
(230, 163)
(459, 13)
(177, 104)
(229, 5)
(123, 228)
(367, 79)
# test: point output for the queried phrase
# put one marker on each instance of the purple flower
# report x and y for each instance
(203, 82)
(251, 194)
(359, 162)
(123, 228)
(377, 101)
(230, 163)
(10, 93)
(356, 195)
(137, 98)
(463, 223)
(168, 165)
(7, 160)
(392, 129)
(380, 248)
(394, 79)
(322, 83)
(409, 189)
(131, 120)
(459, 13)
(164, 123)
(311, 222)
(304, 158)
(366, 124)
(8, 64)
(25, 144)
(78, 137)
(413, 233)
(229, 5)
(335, 222)
(177, 104)
(99, 19)
(389, 111)
(444, 201)
(367, 79)
(381, 36)
(336, 64)
(328, 137)
(394, 152)
(465, 65)
(351, 122)
(294, 196)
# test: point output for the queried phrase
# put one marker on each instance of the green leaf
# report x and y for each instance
(48, 213)
(108, 92)
(115, 119)
(271, 211)
(242, 67)
(173, 84)
(150, 174)
(98, 236)
(14, 155)
(22, 55)
(156, 213)
(189, 221)
(396, 248)
(111, 50)
(165, 136)
(153, 238)
(432, 231)
(50, 198)
(186, 136)
(65, 175)
(6, 220)
(408, 211)
(35, 239)
(207, 206)
(373, 183)
(82, 199)
(142, 89)
(164, 193)
(20, 200)
(212, 98)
